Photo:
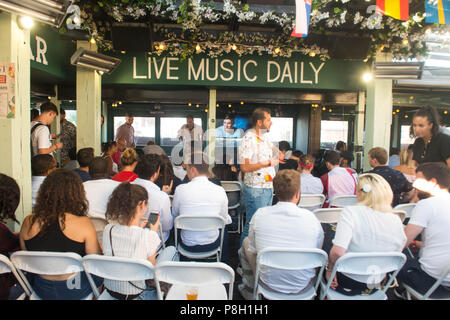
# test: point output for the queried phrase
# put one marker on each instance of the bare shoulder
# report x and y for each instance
(82, 221)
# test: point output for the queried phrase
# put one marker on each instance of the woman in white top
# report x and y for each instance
(369, 226)
(309, 184)
(129, 238)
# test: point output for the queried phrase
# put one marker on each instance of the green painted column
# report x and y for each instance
(359, 130)
(55, 127)
(211, 128)
(378, 116)
(15, 133)
(89, 86)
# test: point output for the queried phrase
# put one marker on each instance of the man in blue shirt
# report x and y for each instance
(84, 158)
(227, 130)
(401, 187)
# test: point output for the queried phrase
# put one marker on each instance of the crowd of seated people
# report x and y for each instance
(61, 217)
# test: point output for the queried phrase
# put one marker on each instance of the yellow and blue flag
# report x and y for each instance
(438, 13)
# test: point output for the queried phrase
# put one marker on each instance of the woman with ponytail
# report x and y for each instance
(129, 160)
(309, 184)
(431, 144)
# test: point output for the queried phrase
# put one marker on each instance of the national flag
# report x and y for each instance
(397, 9)
(439, 13)
(302, 15)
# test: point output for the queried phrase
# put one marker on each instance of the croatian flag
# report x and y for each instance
(302, 14)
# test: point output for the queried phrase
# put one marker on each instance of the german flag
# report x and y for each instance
(397, 9)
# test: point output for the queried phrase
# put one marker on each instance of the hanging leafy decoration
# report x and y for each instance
(403, 39)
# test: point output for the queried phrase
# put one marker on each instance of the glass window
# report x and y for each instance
(282, 129)
(170, 127)
(405, 139)
(71, 116)
(144, 128)
(331, 132)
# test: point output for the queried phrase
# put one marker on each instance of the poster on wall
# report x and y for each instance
(7, 90)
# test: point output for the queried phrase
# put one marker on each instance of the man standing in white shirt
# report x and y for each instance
(40, 134)
(99, 188)
(147, 169)
(201, 196)
(190, 131)
(282, 225)
(257, 162)
(431, 219)
(41, 166)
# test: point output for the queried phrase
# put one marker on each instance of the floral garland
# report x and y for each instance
(404, 40)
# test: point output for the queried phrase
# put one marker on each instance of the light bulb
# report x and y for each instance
(26, 22)
(367, 77)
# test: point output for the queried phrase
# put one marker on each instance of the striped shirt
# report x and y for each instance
(129, 242)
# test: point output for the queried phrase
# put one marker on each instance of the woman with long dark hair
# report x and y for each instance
(9, 241)
(431, 145)
(60, 224)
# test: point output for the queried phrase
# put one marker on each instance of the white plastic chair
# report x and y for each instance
(372, 264)
(115, 268)
(289, 259)
(311, 201)
(208, 277)
(7, 266)
(199, 223)
(406, 207)
(46, 263)
(343, 201)
(233, 190)
(328, 215)
(401, 214)
(427, 296)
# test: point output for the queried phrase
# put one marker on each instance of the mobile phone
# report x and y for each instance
(152, 218)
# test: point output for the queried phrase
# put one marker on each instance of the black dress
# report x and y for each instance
(437, 150)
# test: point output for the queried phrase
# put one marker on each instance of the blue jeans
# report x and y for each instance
(254, 198)
(75, 288)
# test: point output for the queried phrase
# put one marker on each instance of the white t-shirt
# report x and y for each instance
(288, 226)
(97, 194)
(36, 182)
(310, 184)
(129, 242)
(40, 138)
(158, 200)
(200, 196)
(433, 214)
(362, 229)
